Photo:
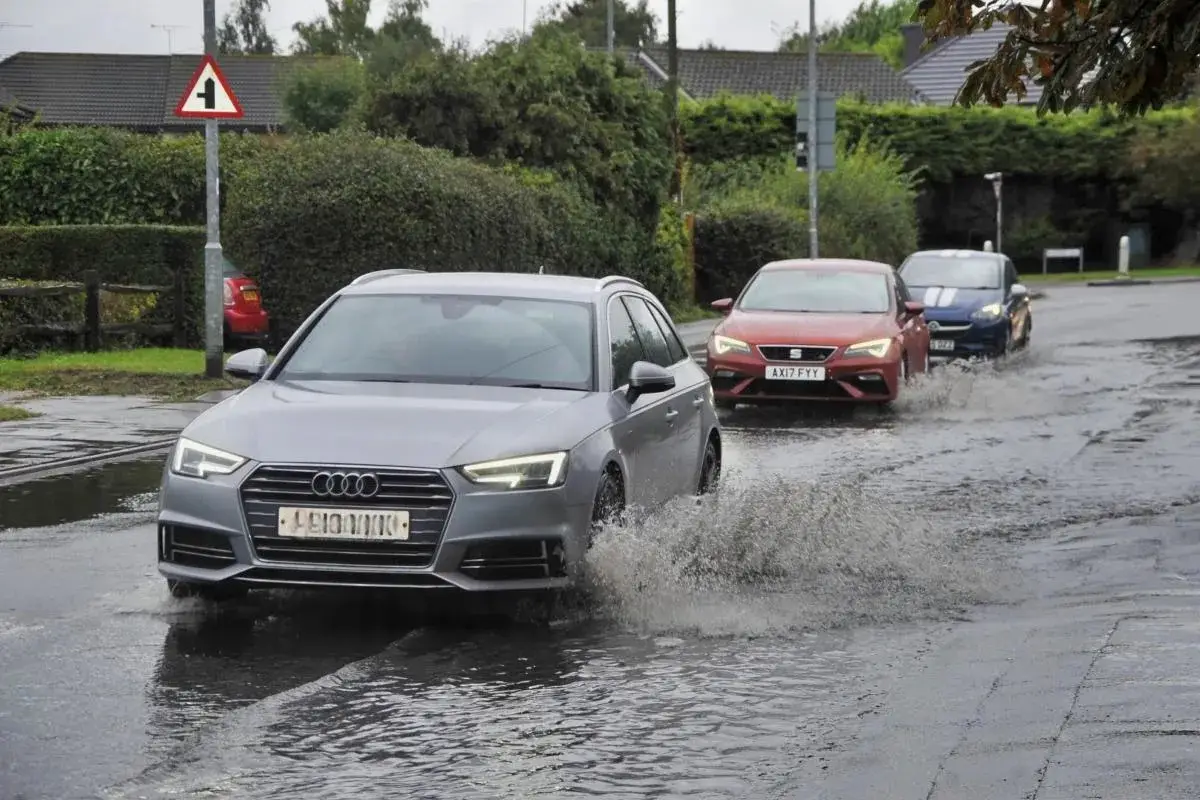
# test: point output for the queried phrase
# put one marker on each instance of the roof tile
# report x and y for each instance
(939, 74)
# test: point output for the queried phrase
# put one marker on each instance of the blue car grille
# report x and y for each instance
(423, 493)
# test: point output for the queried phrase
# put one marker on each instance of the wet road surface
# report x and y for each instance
(990, 592)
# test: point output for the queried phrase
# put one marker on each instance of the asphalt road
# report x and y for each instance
(990, 592)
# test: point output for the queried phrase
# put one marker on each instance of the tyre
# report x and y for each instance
(710, 469)
(609, 504)
(1025, 332)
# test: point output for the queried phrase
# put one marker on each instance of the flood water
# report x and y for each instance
(715, 652)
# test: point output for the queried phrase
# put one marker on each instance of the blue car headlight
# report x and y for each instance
(989, 313)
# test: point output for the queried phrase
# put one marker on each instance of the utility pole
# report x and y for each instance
(813, 145)
(673, 94)
(214, 344)
(611, 35)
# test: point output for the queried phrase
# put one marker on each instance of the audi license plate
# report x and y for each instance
(941, 344)
(343, 523)
(775, 373)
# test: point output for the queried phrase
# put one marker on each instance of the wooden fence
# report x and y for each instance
(92, 329)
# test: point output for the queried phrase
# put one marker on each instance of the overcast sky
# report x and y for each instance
(124, 26)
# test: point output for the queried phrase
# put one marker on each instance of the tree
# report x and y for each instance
(342, 32)
(587, 20)
(1162, 166)
(321, 97)
(403, 37)
(1135, 54)
(244, 29)
(872, 27)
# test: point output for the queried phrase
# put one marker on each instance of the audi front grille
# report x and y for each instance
(423, 493)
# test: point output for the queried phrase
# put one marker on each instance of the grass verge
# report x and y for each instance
(1104, 275)
(146, 372)
(15, 413)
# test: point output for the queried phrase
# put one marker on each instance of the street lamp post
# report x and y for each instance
(997, 179)
(812, 130)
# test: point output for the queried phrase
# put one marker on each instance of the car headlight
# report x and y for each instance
(199, 460)
(876, 347)
(526, 472)
(724, 344)
(991, 311)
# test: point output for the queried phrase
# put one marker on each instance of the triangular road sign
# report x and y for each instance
(208, 95)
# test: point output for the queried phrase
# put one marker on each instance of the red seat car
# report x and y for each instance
(246, 321)
(824, 329)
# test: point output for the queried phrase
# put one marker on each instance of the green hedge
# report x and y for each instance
(124, 254)
(308, 218)
(943, 141)
(733, 241)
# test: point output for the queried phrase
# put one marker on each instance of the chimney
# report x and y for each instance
(914, 37)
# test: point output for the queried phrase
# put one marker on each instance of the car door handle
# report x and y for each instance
(697, 401)
(672, 414)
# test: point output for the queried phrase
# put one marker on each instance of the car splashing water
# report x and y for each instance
(771, 554)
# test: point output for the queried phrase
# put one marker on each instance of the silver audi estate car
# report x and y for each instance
(439, 431)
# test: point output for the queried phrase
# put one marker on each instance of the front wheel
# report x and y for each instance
(710, 469)
(609, 504)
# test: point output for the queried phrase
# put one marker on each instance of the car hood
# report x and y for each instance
(782, 327)
(951, 302)
(386, 424)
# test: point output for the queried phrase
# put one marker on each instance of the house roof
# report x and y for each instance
(139, 91)
(11, 104)
(705, 73)
(939, 74)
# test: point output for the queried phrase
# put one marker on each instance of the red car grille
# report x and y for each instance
(795, 352)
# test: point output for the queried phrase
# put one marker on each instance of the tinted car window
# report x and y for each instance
(678, 351)
(626, 347)
(653, 342)
(494, 341)
(814, 290)
(952, 272)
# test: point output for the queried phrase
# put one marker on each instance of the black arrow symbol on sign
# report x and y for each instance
(209, 95)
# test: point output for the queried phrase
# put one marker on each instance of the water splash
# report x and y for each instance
(771, 555)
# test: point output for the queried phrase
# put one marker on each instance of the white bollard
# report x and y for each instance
(1123, 258)
(987, 246)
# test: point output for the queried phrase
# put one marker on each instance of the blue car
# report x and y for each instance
(974, 302)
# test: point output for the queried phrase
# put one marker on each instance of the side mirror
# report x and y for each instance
(1020, 290)
(648, 378)
(724, 305)
(912, 308)
(247, 365)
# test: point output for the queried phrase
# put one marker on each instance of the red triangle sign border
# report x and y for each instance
(192, 86)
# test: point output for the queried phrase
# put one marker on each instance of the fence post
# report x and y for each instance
(91, 310)
(179, 321)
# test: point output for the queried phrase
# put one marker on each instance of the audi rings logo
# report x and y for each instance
(345, 484)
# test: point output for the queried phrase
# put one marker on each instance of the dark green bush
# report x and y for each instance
(310, 217)
(149, 255)
(733, 240)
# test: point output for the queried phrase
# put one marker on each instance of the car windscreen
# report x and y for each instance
(455, 339)
(952, 272)
(821, 291)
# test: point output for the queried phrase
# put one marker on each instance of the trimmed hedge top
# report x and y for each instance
(944, 141)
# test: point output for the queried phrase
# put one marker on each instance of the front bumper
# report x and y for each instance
(966, 339)
(223, 529)
(742, 378)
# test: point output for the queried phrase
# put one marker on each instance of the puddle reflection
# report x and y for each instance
(105, 489)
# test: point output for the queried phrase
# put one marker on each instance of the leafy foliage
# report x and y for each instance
(1164, 163)
(244, 29)
(541, 103)
(587, 21)
(343, 31)
(148, 255)
(757, 211)
(1135, 54)
(308, 218)
(872, 27)
(320, 98)
(942, 142)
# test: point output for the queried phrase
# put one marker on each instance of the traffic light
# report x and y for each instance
(801, 151)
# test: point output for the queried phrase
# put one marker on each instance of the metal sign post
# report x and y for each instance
(814, 142)
(209, 97)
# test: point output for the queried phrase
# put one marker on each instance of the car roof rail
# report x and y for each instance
(609, 280)
(382, 273)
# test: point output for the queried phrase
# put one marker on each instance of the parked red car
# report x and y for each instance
(824, 329)
(246, 321)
